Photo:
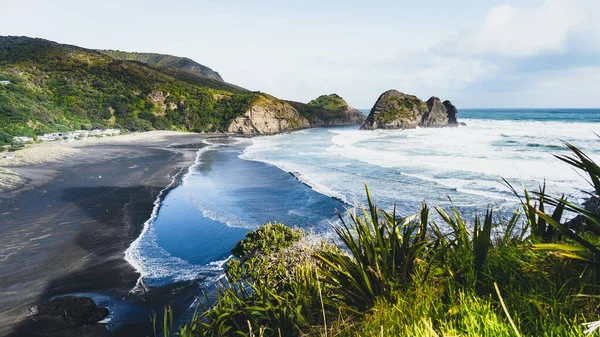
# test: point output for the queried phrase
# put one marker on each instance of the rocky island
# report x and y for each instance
(396, 110)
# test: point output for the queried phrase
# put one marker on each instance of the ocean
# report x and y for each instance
(303, 177)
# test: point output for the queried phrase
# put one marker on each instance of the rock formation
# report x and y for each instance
(436, 115)
(329, 110)
(268, 115)
(452, 112)
(396, 110)
(75, 311)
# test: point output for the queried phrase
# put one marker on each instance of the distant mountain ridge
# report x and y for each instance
(153, 59)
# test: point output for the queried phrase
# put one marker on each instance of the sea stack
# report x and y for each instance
(396, 110)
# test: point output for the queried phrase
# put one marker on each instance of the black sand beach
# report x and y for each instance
(65, 231)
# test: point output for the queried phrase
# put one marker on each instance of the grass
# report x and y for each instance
(404, 276)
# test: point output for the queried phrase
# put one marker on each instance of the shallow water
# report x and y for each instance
(236, 186)
(218, 201)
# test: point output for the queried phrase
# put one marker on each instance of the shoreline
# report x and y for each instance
(70, 245)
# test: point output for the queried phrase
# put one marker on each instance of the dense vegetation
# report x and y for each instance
(317, 115)
(50, 87)
(331, 102)
(56, 87)
(402, 107)
(526, 275)
(169, 61)
(329, 110)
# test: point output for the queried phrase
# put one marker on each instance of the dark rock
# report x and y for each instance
(396, 110)
(452, 112)
(581, 224)
(437, 115)
(75, 311)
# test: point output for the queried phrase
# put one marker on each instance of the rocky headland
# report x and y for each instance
(268, 115)
(396, 110)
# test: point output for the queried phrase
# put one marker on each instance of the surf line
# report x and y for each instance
(132, 254)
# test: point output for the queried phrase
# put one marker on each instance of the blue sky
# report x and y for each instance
(476, 53)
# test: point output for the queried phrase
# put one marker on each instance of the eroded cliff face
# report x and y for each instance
(268, 115)
(396, 110)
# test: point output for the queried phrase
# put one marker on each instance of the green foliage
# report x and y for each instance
(58, 87)
(476, 244)
(331, 102)
(405, 276)
(5, 138)
(575, 245)
(317, 115)
(166, 61)
(540, 229)
(251, 255)
(383, 251)
(401, 108)
(279, 293)
(240, 311)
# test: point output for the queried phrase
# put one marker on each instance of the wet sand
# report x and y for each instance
(66, 225)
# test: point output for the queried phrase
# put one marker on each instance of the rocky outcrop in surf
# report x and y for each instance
(452, 112)
(268, 115)
(396, 110)
(75, 311)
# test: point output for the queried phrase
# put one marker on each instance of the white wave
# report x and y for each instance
(150, 260)
(211, 211)
(471, 161)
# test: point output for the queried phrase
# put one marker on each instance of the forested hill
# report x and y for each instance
(161, 60)
(47, 86)
(50, 87)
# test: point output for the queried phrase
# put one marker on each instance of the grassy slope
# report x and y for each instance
(59, 87)
(331, 102)
(162, 60)
(326, 109)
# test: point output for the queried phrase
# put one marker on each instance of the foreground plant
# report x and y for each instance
(405, 276)
(382, 251)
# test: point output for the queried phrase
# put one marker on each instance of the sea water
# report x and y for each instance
(301, 178)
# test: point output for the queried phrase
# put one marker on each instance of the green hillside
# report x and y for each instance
(154, 59)
(331, 102)
(48, 87)
(329, 110)
(315, 113)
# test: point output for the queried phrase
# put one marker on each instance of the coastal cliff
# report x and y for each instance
(396, 110)
(268, 115)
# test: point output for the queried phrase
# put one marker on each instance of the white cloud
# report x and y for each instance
(514, 32)
(517, 56)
